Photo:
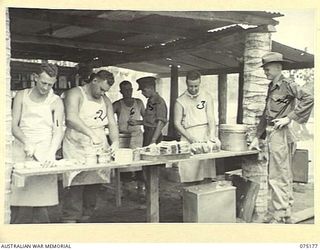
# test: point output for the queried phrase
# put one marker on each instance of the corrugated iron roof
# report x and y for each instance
(131, 38)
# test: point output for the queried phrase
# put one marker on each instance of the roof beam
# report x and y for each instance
(70, 43)
(95, 23)
(206, 72)
(234, 17)
(223, 38)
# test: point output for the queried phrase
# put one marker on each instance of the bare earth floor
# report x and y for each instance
(133, 209)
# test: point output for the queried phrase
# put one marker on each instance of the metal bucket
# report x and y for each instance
(124, 140)
(233, 137)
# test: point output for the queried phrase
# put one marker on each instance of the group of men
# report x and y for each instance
(38, 120)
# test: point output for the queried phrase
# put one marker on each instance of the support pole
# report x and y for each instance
(222, 98)
(173, 96)
(9, 137)
(240, 97)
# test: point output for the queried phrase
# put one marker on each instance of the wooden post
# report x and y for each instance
(222, 113)
(152, 192)
(222, 98)
(9, 137)
(240, 98)
(118, 187)
(173, 96)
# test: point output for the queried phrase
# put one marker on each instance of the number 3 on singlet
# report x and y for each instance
(201, 105)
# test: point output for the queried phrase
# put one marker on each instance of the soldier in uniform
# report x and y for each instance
(155, 116)
(194, 120)
(281, 108)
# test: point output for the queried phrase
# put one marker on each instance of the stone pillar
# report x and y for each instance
(9, 137)
(254, 96)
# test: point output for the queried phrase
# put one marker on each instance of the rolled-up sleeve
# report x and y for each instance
(303, 109)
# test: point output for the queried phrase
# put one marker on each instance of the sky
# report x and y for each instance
(296, 29)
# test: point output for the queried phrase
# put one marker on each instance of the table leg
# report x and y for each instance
(118, 188)
(152, 192)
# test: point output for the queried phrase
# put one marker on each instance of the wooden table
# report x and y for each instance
(150, 167)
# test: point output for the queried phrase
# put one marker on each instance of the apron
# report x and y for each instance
(36, 124)
(136, 136)
(195, 121)
(76, 144)
(197, 170)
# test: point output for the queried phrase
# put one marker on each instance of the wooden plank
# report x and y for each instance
(94, 23)
(246, 196)
(17, 54)
(240, 97)
(174, 89)
(113, 165)
(152, 192)
(69, 43)
(147, 67)
(233, 17)
(222, 98)
(302, 215)
(200, 61)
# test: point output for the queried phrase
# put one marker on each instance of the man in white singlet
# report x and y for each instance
(129, 108)
(37, 118)
(126, 109)
(194, 120)
(88, 111)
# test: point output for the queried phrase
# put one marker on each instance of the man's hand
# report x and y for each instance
(96, 140)
(114, 146)
(192, 139)
(281, 122)
(217, 142)
(134, 122)
(255, 144)
(47, 161)
(29, 149)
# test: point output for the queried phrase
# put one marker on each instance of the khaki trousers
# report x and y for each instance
(281, 149)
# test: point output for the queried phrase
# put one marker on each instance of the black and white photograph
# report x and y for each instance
(146, 116)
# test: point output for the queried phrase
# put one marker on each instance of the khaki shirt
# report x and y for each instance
(285, 99)
(156, 110)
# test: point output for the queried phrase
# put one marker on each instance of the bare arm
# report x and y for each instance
(16, 116)
(72, 108)
(113, 128)
(16, 130)
(211, 119)
(178, 114)
(157, 132)
(116, 108)
(58, 133)
(142, 108)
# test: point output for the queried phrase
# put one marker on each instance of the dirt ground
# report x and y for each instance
(133, 209)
